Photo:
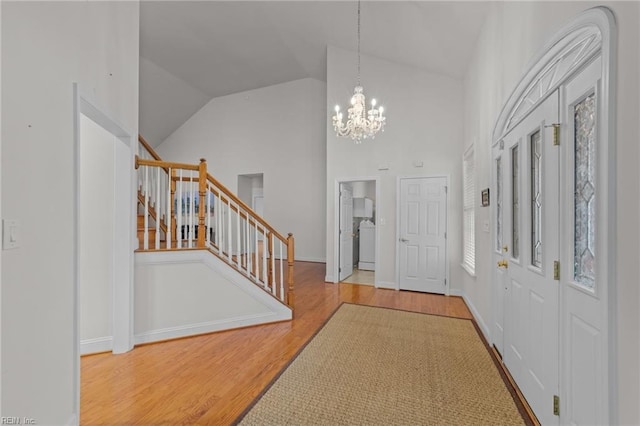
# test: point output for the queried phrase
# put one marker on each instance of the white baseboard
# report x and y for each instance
(386, 284)
(73, 420)
(99, 344)
(456, 292)
(328, 279)
(210, 326)
(476, 315)
(310, 259)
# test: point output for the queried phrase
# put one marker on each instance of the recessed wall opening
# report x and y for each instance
(251, 191)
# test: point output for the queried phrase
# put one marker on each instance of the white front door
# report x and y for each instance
(530, 241)
(584, 250)
(422, 238)
(346, 232)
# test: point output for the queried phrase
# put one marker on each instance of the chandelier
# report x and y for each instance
(361, 124)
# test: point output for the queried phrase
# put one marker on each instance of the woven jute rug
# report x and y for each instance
(378, 366)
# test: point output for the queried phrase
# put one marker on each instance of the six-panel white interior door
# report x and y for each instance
(422, 242)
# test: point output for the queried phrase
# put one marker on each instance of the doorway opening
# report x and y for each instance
(251, 191)
(357, 231)
(104, 240)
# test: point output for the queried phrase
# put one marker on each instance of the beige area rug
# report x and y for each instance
(378, 366)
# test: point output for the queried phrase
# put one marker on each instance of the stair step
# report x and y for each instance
(152, 222)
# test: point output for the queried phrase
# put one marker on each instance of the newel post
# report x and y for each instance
(202, 190)
(290, 260)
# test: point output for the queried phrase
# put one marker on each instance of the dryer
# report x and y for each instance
(367, 246)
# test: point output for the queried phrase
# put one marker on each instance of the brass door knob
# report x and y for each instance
(505, 248)
(503, 263)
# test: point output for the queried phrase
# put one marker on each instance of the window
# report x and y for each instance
(468, 212)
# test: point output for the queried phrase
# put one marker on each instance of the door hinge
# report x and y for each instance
(446, 189)
(445, 282)
(445, 235)
(556, 270)
(556, 134)
(339, 269)
(556, 405)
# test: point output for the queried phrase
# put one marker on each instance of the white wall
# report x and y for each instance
(513, 34)
(46, 47)
(166, 101)
(190, 292)
(424, 113)
(96, 231)
(277, 130)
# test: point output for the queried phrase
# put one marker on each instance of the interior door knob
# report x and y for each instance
(404, 240)
(503, 263)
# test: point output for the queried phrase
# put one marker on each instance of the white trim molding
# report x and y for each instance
(207, 327)
(386, 284)
(96, 345)
(572, 47)
(478, 318)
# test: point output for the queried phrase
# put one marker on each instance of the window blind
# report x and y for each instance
(468, 212)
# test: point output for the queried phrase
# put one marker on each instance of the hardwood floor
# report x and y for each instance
(211, 379)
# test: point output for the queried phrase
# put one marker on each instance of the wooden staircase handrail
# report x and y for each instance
(165, 164)
(230, 195)
(248, 209)
(146, 146)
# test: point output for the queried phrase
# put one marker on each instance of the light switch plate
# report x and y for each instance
(485, 226)
(10, 234)
(383, 221)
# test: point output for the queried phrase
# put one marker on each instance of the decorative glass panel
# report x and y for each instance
(536, 199)
(585, 192)
(515, 199)
(499, 203)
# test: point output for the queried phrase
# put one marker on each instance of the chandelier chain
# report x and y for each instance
(358, 42)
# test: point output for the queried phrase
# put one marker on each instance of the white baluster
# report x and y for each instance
(229, 233)
(281, 274)
(255, 248)
(167, 214)
(208, 236)
(217, 211)
(179, 211)
(191, 202)
(146, 208)
(239, 248)
(247, 252)
(264, 257)
(157, 208)
(273, 267)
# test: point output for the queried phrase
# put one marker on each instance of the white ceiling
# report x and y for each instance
(223, 47)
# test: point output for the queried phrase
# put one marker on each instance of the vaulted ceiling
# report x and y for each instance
(194, 51)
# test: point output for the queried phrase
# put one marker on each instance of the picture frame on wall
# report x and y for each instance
(485, 197)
